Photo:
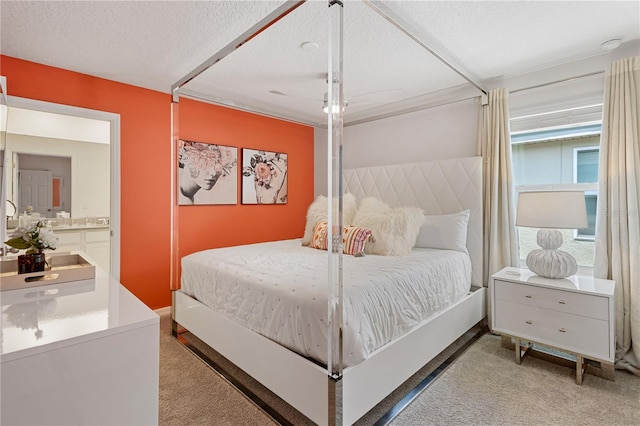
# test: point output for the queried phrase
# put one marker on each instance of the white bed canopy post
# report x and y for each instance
(269, 20)
(334, 213)
(174, 268)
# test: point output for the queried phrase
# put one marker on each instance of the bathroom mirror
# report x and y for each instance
(59, 167)
(65, 169)
(10, 208)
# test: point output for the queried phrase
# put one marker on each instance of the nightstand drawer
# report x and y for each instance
(586, 305)
(587, 336)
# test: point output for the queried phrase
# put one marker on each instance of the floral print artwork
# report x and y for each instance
(207, 173)
(264, 177)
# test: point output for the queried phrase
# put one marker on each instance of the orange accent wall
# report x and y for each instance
(209, 226)
(145, 145)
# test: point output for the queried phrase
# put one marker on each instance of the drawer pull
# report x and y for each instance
(529, 322)
(562, 330)
(528, 296)
(562, 302)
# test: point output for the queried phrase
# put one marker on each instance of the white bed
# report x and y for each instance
(446, 186)
(278, 289)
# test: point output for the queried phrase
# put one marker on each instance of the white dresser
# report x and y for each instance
(574, 314)
(82, 352)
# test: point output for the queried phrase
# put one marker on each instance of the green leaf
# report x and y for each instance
(18, 243)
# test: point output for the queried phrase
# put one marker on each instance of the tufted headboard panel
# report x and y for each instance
(438, 187)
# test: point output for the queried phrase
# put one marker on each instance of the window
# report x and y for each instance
(559, 158)
(586, 171)
(586, 164)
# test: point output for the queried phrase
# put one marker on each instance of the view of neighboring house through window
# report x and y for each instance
(586, 172)
(556, 159)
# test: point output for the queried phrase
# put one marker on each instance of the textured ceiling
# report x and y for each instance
(153, 44)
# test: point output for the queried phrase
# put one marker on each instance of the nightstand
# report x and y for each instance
(573, 315)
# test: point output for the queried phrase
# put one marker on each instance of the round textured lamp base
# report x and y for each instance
(551, 263)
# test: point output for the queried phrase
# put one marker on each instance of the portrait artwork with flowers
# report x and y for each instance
(264, 177)
(207, 173)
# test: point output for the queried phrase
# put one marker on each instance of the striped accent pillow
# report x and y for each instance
(354, 238)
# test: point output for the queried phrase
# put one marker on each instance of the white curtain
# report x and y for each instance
(618, 212)
(494, 145)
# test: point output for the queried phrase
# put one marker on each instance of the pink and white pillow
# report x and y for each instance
(354, 239)
(317, 212)
(319, 237)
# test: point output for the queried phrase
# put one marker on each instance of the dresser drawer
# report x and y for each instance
(67, 238)
(586, 305)
(97, 236)
(587, 336)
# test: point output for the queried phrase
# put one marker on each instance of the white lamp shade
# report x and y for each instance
(552, 209)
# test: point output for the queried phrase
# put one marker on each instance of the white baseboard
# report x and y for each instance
(163, 311)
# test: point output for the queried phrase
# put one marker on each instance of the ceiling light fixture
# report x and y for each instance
(325, 105)
(612, 43)
(325, 108)
(309, 46)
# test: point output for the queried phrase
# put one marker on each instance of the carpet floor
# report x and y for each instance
(484, 386)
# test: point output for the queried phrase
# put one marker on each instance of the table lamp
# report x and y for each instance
(550, 211)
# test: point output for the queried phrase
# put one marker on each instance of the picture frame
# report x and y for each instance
(264, 177)
(207, 173)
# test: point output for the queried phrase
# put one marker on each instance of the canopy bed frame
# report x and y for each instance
(333, 394)
(449, 186)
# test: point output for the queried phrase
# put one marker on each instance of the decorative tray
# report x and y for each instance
(63, 267)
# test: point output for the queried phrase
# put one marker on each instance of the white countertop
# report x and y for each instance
(63, 228)
(39, 319)
(77, 227)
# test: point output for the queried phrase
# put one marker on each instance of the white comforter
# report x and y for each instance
(279, 289)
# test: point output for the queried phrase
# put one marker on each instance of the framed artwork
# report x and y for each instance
(264, 177)
(207, 173)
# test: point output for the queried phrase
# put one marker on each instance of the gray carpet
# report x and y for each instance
(192, 394)
(483, 387)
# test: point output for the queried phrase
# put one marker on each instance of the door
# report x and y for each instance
(36, 190)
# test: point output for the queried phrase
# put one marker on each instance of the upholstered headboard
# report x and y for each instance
(438, 187)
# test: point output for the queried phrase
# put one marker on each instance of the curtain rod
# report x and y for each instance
(556, 82)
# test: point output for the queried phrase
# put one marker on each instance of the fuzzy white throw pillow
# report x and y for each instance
(395, 229)
(317, 212)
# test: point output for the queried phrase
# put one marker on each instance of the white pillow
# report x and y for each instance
(445, 231)
(317, 212)
(394, 229)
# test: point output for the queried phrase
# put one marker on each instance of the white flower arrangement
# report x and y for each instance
(34, 238)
